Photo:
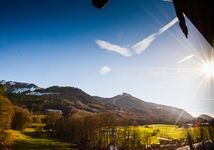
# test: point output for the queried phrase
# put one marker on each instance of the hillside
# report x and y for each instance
(74, 100)
(147, 112)
(205, 118)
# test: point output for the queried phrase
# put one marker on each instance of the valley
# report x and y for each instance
(68, 118)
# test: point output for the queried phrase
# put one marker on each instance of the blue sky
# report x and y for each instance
(52, 42)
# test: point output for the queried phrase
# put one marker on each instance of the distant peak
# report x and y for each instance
(3, 82)
(205, 116)
(125, 94)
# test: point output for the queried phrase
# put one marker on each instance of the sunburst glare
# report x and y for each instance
(208, 69)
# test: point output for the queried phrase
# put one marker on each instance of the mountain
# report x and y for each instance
(17, 87)
(73, 100)
(54, 91)
(205, 118)
(145, 111)
(39, 99)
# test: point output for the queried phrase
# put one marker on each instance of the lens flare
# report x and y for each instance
(208, 69)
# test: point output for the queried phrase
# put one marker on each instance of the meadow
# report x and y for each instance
(27, 139)
(163, 131)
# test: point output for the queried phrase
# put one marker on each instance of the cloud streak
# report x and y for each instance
(105, 70)
(171, 1)
(185, 59)
(138, 47)
(114, 48)
(145, 43)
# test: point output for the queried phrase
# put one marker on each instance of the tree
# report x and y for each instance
(6, 111)
(1, 90)
(6, 115)
(51, 121)
(211, 133)
(21, 119)
(190, 140)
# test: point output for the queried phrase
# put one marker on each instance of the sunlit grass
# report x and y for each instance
(16, 135)
(156, 131)
(37, 125)
(20, 141)
(163, 131)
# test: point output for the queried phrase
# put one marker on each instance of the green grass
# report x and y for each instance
(163, 131)
(34, 125)
(26, 140)
(20, 141)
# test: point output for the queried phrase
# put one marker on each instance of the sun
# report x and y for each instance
(208, 68)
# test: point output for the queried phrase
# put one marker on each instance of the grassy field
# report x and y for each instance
(163, 131)
(26, 140)
(22, 141)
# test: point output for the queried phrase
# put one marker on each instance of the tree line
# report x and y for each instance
(104, 130)
(11, 117)
(97, 131)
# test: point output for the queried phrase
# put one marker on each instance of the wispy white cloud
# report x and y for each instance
(114, 48)
(167, 26)
(145, 43)
(185, 59)
(168, 1)
(105, 70)
(140, 46)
